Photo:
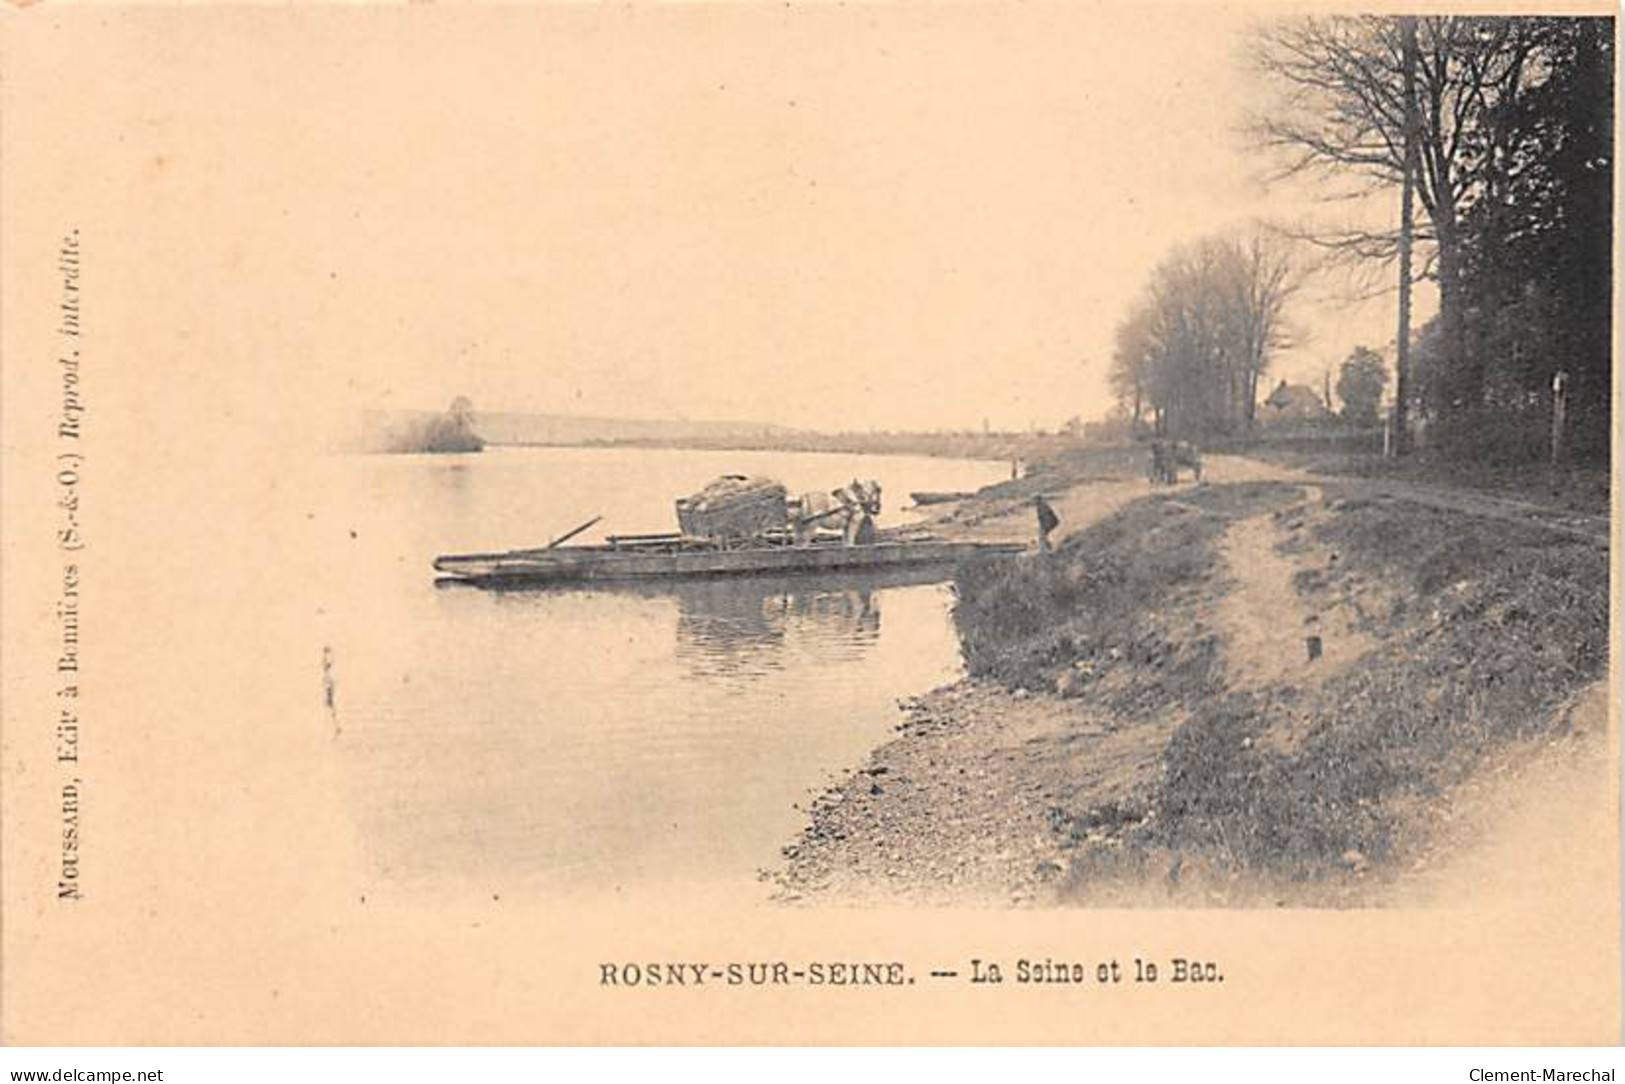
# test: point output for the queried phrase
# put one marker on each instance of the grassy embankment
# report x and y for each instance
(1475, 635)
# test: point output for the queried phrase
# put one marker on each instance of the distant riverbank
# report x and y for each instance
(1021, 447)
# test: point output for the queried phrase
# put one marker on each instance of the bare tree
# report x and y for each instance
(1133, 354)
(1257, 276)
(1196, 344)
(1340, 112)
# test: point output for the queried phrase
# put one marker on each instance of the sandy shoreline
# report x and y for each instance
(958, 807)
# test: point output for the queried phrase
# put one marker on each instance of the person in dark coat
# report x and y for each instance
(1047, 522)
(1159, 462)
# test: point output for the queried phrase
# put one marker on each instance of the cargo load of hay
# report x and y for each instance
(734, 506)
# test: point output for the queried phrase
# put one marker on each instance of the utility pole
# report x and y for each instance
(1402, 345)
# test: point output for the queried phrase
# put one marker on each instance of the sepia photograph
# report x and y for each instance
(808, 523)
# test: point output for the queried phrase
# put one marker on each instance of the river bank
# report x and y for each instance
(1266, 690)
(997, 447)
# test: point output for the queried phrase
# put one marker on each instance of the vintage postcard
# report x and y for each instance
(808, 523)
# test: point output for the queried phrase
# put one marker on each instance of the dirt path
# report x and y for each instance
(1523, 827)
(1275, 632)
(1085, 501)
(1231, 468)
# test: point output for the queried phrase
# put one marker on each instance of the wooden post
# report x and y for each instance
(1560, 412)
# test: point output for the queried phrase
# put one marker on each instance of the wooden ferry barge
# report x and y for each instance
(654, 557)
(736, 526)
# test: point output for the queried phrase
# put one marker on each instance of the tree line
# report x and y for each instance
(1503, 128)
(1190, 354)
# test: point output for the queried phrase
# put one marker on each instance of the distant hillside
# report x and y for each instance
(390, 430)
(511, 428)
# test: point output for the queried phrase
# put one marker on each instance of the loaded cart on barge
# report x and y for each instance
(736, 526)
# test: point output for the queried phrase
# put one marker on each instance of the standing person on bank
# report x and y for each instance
(1047, 522)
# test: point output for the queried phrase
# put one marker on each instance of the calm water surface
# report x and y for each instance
(602, 739)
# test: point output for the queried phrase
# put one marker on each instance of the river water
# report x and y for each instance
(605, 739)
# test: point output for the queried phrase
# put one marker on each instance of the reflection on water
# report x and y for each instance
(731, 628)
(733, 632)
(620, 736)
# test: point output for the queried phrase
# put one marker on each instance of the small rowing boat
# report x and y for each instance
(932, 497)
(657, 556)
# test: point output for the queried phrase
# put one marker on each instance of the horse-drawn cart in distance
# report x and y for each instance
(1167, 456)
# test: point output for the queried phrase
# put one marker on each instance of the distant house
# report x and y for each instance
(1293, 403)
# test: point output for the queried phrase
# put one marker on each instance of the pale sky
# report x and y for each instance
(829, 217)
